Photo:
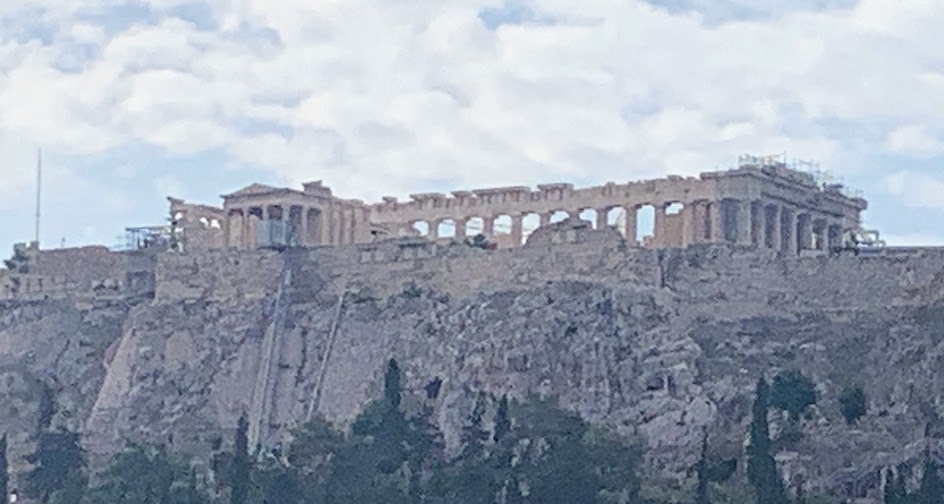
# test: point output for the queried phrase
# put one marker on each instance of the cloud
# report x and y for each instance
(916, 190)
(379, 97)
(913, 140)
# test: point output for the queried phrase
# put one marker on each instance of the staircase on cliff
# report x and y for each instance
(262, 392)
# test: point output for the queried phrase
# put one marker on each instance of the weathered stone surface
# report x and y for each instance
(658, 343)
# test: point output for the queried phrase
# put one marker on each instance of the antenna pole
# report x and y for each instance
(39, 189)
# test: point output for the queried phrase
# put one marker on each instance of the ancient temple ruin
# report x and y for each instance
(762, 203)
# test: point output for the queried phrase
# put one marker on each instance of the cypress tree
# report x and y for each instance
(474, 435)
(4, 471)
(761, 466)
(502, 421)
(392, 387)
(701, 491)
(241, 464)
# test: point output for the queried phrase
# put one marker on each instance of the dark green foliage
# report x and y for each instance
(792, 392)
(4, 470)
(502, 420)
(480, 241)
(47, 406)
(388, 453)
(240, 468)
(146, 475)
(392, 389)
(931, 490)
(761, 466)
(791, 434)
(563, 461)
(895, 492)
(275, 482)
(853, 403)
(474, 435)
(59, 463)
(721, 470)
(701, 472)
(19, 262)
(313, 444)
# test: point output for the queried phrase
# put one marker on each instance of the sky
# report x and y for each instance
(134, 101)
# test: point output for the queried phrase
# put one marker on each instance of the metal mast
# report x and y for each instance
(39, 189)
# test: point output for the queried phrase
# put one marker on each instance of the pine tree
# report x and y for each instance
(4, 471)
(241, 465)
(761, 466)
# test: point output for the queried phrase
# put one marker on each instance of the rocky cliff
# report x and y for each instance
(658, 343)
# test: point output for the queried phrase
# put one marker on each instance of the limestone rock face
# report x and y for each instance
(663, 354)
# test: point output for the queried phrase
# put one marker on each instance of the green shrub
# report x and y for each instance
(853, 403)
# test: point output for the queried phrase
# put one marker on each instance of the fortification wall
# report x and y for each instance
(704, 277)
(564, 251)
(219, 275)
(708, 277)
(84, 272)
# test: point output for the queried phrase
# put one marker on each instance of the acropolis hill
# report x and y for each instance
(285, 304)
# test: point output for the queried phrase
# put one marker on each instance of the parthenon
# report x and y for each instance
(762, 203)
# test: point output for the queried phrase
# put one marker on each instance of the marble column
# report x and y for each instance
(461, 223)
(805, 230)
(658, 227)
(688, 225)
(699, 221)
(631, 230)
(775, 220)
(744, 225)
(821, 234)
(758, 224)
(488, 226)
(517, 229)
(433, 233)
(716, 222)
(789, 231)
(545, 218)
(302, 231)
(601, 217)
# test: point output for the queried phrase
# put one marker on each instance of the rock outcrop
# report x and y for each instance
(662, 344)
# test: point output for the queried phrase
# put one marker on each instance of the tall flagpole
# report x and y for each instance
(39, 189)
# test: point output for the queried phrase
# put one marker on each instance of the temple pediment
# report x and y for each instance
(253, 190)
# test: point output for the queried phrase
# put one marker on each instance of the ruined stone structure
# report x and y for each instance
(761, 203)
(661, 338)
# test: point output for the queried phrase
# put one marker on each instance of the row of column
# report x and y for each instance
(300, 225)
(745, 222)
(517, 223)
(765, 225)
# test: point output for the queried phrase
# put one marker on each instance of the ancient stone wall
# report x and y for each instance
(218, 275)
(89, 272)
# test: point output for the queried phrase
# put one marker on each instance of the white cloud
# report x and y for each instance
(916, 190)
(914, 240)
(378, 95)
(913, 140)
